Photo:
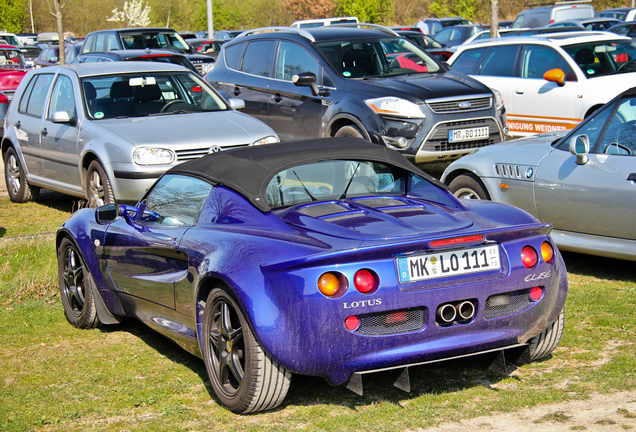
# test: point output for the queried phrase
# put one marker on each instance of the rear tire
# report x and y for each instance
(243, 376)
(545, 342)
(468, 186)
(18, 187)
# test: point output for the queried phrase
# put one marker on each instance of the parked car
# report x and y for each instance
(457, 35)
(506, 32)
(626, 29)
(427, 43)
(334, 258)
(543, 16)
(553, 81)
(582, 183)
(107, 131)
(142, 38)
(624, 14)
(49, 56)
(207, 47)
(364, 82)
(435, 25)
(157, 55)
(27, 38)
(9, 39)
(596, 23)
(311, 23)
(12, 70)
(30, 53)
(227, 34)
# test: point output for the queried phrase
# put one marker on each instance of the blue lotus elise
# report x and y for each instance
(328, 257)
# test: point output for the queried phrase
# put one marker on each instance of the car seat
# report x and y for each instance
(356, 63)
(585, 59)
(148, 99)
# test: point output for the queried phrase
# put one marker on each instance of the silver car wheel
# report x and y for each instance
(466, 193)
(13, 174)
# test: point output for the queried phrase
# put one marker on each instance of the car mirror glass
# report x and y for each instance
(580, 147)
(107, 214)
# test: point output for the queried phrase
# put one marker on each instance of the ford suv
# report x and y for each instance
(363, 82)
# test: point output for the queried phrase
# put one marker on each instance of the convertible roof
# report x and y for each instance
(248, 170)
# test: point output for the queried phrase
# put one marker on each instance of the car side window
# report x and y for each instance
(100, 43)
(258, 58)
(467, 60)
(62, 98)
(500, 61)
(176, 200)
(537, 60)
(233, 55)
(112, 43)
(293, 59)
(592, 128)
(620, 135)
(34, 97)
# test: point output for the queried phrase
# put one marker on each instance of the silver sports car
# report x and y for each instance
(583, 183)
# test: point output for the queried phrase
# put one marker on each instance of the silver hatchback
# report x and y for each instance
(107, 131)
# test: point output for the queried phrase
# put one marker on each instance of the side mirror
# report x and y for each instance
(308, 79)
(237, 103)
(580, 147)
(107, 213)
(62, 117)
(555, 75)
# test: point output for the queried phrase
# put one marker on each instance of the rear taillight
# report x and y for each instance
(365, 281)
(529, 256)
(547, 251)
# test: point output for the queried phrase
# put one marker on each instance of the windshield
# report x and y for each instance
(376, 57)
(11, 58)
(163, 40)
(149, 93)
(602, 58)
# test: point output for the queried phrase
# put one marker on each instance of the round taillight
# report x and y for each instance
(329, 284)
(352, 322)
(529, 256)
(547, 251)
(365, 281)
(536, 293)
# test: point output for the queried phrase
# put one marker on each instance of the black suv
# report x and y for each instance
(362, 82)
(142, 38)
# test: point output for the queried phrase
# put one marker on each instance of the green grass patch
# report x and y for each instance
(127, 377)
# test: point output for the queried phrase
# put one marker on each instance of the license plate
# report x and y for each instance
(450, 263)
(456, 135)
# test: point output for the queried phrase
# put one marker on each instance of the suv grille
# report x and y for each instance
(453, 106)
(437, 140)
(392, 322)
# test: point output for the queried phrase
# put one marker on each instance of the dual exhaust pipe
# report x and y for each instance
(454, 312)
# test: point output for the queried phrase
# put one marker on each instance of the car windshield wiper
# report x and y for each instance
(344, 193)
(313, 198)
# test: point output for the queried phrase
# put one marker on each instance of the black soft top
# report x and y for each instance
(248, 170)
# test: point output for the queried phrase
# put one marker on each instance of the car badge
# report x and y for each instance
(465, 105)
(529, 173)
(214, 149)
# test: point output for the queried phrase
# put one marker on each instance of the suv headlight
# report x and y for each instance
(153, 156)
(267, 140)
(206, 67)
(499, 102)
(395, 107)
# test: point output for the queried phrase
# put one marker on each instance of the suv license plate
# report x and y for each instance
(456, 135)
(443, 264)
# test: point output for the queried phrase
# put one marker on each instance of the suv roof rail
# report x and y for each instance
(376, 26)
(539, 3)
(260, 30)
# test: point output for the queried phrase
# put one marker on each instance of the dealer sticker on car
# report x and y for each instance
(441, 264)
(456, 135)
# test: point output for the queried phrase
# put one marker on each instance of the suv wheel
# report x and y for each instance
(349, 131)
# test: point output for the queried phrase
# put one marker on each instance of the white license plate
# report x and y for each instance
(456, 135)
(450, 263)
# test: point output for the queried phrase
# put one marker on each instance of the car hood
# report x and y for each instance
(524, 151)
(422, 86)
(222, 128)
(377, 218)
(10, 78)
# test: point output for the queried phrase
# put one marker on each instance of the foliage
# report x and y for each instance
(133, 14)
(464, 8)
(370, 11)
(11, 16)
(307, 9)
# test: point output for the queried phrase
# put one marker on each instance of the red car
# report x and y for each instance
(12, 69)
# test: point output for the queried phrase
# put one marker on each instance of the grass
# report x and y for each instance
(55, 377)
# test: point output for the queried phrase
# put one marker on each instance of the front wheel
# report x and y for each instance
(468, 186)
(76, 287)
(349, 131)
(97, 187)
(244, 377)
(545, 342)
(20, 191)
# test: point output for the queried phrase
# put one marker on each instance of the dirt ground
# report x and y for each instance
(604, 413)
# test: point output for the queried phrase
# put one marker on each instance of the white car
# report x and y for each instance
(551, 82)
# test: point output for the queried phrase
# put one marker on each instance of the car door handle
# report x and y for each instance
(631, 177)
(277, 97)
(237, 91)
(44, 132)
(17, 124)
(519, 91)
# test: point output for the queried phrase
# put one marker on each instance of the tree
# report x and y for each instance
(368, 11)
(134, 14)
(306, 9)
(11, 16)
(56, 11)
